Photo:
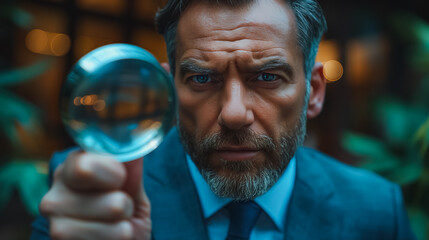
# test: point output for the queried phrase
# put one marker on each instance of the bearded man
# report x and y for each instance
(246, 81)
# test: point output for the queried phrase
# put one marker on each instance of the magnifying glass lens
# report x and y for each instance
(118, 101)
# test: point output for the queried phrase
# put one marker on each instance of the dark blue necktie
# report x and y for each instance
(243, 216)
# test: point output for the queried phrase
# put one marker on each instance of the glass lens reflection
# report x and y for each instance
(123, 107)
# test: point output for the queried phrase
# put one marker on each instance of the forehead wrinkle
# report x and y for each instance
(201, 55)
(199, 27)
(247, 24)
(250, 45)
(243, 31)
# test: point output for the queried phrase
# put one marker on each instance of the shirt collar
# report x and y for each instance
(274, 202)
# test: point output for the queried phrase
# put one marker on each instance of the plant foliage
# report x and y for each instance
(400, 152)
(28, 177)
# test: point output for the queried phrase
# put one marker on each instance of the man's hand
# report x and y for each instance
(95, 197)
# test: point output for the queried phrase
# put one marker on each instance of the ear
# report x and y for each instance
(166, 66)
(317, 91)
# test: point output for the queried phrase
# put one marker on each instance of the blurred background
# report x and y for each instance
(376, 114)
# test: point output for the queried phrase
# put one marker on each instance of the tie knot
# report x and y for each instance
(243, 216)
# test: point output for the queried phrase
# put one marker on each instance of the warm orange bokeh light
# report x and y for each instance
(60, 44)
(99, 105)
(76, 101)
(47, 43)
(332, 70)
(37, 40)
(328, 50)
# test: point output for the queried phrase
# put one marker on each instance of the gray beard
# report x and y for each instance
(250, 179)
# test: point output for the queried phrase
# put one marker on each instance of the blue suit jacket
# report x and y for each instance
(330, 200)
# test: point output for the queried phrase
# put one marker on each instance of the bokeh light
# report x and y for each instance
(328, 50)
(47, 43)
(332, 70)
(60, 44)
(99, 105)
(76, 101)
(37, 40)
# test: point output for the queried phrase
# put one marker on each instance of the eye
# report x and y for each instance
(201, 79)
(267, 77)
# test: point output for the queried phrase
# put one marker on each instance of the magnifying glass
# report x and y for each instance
(118, 101)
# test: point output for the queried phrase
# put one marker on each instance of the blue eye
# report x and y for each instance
(267, 77)
(201, 78)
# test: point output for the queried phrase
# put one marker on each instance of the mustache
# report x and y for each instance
(244, 137)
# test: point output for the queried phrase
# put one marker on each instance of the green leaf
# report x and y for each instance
(14, 107)
(26, 177)
(15, 110)
(375, 153)
(380, 165)
(32, 186)
(406, 173)
(360, 144)
(421, 137)
(419, 222)
(18, 16)
(15, 76)
(398, 120)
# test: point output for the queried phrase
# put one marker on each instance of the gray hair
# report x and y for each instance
(310, 20)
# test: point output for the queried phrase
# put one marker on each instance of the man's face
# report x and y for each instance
(241, 87)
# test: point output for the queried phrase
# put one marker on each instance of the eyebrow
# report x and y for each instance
(191, 66)
(274, 64)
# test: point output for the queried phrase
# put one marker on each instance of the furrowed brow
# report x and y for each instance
(272, 65)
(190, 66)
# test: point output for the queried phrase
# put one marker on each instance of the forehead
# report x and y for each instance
(258, 27)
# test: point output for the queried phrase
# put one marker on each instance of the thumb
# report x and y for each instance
(133, 185)
(166, 67)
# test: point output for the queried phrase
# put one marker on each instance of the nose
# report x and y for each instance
(236, 111)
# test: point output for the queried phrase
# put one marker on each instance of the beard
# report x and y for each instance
(243, 180)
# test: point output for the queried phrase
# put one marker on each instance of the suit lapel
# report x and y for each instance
(174, 216)
(311, 212)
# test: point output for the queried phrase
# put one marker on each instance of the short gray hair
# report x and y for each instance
(310, 21)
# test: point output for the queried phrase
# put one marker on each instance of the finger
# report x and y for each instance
(86, 171)
(133, 182)
(65, 228)
(134, 187)
(111, 206)
(166, 66)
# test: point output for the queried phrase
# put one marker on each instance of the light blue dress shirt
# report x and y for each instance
(274, 203)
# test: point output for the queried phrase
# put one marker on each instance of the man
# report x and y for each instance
(246, 82)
